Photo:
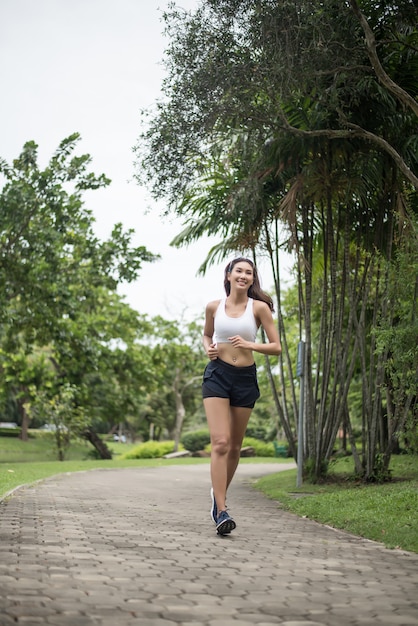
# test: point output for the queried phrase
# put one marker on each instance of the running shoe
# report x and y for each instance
(213, 508)
(224, 523)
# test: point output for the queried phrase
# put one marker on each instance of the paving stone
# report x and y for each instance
(106, 548)
(304, 623)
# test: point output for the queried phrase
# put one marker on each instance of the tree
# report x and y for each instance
(397, 338)
(22, 375)
(58, 282)
(63, 415)
(179, 357)
(280, 112)
(241, 65)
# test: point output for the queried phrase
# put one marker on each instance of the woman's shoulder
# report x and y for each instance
(213, 305)
(260, 307)
(260, 303)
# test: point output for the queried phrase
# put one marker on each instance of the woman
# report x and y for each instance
(230, 387)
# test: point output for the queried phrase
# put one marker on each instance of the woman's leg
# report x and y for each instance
(239, 422)
(219, 423)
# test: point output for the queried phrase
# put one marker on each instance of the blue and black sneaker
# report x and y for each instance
(213, 508)
(224, 523)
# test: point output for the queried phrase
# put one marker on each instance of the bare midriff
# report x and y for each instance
(235, 356)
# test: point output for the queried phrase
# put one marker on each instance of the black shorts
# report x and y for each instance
(239, 384)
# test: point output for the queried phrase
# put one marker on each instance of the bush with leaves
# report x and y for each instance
(260, 448)
(10, 432)
(196, 440)
(257, 432)
(150, 450)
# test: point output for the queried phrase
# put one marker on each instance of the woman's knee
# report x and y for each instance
(220, 445)
(235, 448)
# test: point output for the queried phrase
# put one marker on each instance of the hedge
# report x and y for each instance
(10, 432)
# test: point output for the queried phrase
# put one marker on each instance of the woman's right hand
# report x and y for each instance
(212, 351)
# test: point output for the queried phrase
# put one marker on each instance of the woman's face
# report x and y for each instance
(241, 275)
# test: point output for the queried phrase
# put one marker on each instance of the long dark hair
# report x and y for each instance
(255, 290)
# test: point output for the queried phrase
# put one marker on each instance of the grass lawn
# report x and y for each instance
(387, 513)
(38, 448)
(23, 462)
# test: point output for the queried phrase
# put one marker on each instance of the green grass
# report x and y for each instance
(40, 447)
(387, 513)
(23, 462)
(14, 450)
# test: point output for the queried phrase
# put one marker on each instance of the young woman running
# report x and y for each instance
(230, 387)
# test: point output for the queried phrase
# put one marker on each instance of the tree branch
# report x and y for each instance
(386, 147)
(402, 95)
(352, 132)
(343, 68)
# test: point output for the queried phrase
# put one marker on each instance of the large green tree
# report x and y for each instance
(180, 360)
(305, 114)
(58, 285)
(50, 258)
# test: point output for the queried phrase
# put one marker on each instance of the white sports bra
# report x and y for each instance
(226, 326)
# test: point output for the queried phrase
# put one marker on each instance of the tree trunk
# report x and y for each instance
(285, 360)
(282, 418)
(100, 445)
(180, 414)
(180, 409)
(24, 417)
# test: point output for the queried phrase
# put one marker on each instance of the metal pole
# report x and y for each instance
(300, 372)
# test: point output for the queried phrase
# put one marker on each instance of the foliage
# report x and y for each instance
(61, 412)
(256, 432)
(10, 432)
(63, 324)
(311, 473)
(269, 71)
(196, 440)
(150, 450)
(49, 256)
(410, 434)
(380, 473)
(260, 448)
(179, 360)
(397, 337)
(302, 115)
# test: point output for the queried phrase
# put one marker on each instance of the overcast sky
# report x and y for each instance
(90, 66)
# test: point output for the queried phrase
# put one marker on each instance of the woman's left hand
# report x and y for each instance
(239, 342)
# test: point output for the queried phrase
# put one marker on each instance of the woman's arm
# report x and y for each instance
(210, 348)
(264, 316)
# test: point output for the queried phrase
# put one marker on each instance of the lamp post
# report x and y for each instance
(300, 372)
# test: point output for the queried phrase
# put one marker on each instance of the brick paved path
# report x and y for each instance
(136, 547)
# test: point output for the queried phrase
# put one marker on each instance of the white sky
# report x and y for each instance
(90, 66)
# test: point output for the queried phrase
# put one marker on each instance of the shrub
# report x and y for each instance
(42, 434)
(93, 454)
(310, 472)
(260, 447)
(257, 432)
(10, 432)
(150, 450)
(195, 441)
